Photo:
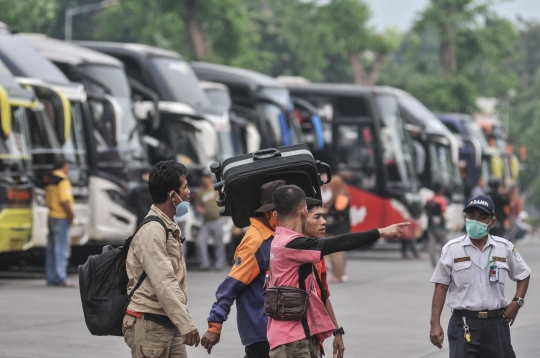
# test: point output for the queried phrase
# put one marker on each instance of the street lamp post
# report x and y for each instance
(72, 11)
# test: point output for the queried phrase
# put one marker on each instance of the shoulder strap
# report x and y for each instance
(144, 222)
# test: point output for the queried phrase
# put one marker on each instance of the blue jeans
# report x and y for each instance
(490, 338)
(57, 252)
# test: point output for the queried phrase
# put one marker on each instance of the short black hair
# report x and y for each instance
(59, 163)
(288, 199)
(313, 203)
(437, 187)
(164, 177)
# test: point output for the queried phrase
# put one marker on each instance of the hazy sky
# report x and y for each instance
(402, 13)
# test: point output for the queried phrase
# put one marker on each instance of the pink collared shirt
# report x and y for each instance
(290, 254)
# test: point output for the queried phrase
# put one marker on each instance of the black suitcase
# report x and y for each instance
(240, 178)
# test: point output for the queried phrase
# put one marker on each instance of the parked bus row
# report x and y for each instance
(112, 110)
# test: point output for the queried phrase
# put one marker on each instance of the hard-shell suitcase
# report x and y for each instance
(240, 178)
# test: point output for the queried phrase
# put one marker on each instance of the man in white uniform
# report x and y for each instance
(472, 270)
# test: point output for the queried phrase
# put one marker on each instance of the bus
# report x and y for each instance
(437, 152)
(367, 144)
(497, 138)
(58, 134)
(163, 81)
(481, 161)
(260, 99)
(116, 153)
(16, 176)
(236, 135)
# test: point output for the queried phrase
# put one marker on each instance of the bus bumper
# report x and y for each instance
(15, 230)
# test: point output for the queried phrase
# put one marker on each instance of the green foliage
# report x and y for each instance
(525, 126)
(347, 22)
(535, 193)
(29, 15)
(466, 34)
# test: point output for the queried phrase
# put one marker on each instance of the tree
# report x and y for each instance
(28, 15)
(364, 47)
(454, 54)
(211, 30)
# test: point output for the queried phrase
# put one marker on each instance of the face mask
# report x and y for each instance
(182, 208)
(476, 229)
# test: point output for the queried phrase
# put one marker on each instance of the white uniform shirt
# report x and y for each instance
(463, 267)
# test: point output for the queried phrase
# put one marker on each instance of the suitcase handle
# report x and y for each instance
(266, 154)
(327, 170)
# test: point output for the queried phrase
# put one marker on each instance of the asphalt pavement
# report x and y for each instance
(384, 308)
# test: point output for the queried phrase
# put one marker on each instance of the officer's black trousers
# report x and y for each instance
(258, 350)
(490, 338)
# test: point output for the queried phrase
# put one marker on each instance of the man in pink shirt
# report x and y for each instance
(292, 259)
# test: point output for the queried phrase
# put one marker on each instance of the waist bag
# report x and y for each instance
(287, 303)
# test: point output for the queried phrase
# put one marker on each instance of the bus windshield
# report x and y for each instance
(126, 157)
(14, 150)
(46, 147)
(185, 143)
(474, 131)
(354, 153)
(114, 78)
(442, 170)
(397, 156)
(179, 82)
(279, 126)
(225, 145)
(220, 99)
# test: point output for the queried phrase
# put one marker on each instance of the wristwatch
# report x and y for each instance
(339, 331)
(520, 301)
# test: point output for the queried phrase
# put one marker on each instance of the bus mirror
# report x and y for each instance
(112, 113)
(62, 108)
(5, 113)
(106, 120)
(420, 157)
(148, 111)
(58, 107)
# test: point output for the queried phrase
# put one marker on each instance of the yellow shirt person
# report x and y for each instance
(60, 201)
(60, 193)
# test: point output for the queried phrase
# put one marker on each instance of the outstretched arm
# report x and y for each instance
(348, 242)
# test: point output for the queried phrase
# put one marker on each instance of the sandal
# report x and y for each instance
(67, 284)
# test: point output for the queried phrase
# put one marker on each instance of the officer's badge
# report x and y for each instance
(518, 257)
(238, 261)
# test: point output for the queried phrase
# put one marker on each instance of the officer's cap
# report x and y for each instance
(481, 202)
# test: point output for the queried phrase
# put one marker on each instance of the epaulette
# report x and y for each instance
(453, 241)
(504, 241)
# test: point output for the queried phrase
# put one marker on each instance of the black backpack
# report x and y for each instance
(434, 213)
(103, 284)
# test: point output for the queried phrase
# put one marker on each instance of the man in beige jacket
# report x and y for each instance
(157, 322)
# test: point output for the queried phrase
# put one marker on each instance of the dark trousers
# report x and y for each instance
(490, 338)
(258, 350)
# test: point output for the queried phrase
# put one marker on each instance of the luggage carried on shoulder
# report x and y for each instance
(240, 178)
(103, 285)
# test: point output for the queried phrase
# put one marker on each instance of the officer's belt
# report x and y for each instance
(480, 314)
